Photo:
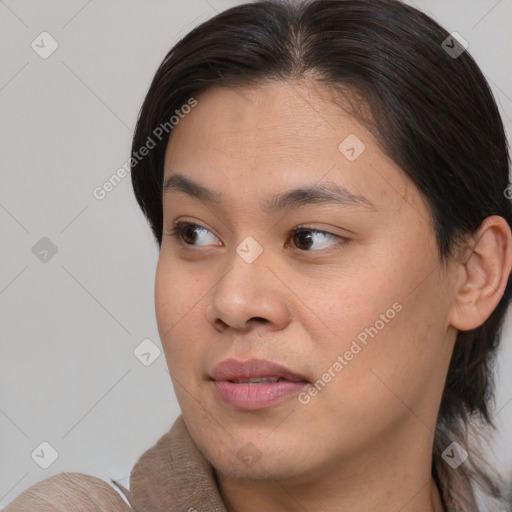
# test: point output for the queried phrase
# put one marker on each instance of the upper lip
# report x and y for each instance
(231, 369)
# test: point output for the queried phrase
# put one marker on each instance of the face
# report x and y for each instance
(335, 292)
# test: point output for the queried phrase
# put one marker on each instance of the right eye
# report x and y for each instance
(187, 233)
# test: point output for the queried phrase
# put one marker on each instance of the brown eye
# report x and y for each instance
(189, 233)
(305, 238)
(302, 239)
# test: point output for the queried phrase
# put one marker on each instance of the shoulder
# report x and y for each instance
(69, 492)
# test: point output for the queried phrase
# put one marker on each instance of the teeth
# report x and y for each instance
(258, 380)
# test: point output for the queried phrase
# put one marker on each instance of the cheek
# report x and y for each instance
(177, 306)
(388, 324)
(347, 304)
(399, 360)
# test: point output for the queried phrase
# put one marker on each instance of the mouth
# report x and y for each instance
(258, 380)
(255, 384)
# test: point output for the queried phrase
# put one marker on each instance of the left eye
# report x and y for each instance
(306, 237)
(190, 233)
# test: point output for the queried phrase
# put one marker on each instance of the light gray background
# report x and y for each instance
(68, 329)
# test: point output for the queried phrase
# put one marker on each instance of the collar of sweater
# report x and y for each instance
(174, 475)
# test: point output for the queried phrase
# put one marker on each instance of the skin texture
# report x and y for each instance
(364, 441)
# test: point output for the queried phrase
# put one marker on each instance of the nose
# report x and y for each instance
(248, 294)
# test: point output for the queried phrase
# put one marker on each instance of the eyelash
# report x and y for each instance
(176, 231)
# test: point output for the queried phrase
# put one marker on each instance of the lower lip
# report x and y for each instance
(251, 397)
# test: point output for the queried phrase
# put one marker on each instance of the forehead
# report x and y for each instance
(278, 116)
(260, 140)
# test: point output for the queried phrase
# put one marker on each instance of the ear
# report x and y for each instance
(485, 270)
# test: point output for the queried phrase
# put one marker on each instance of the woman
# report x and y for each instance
(331, 336)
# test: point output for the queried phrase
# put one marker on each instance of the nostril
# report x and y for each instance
(258, 319)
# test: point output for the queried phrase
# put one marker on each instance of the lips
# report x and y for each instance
(255, 384)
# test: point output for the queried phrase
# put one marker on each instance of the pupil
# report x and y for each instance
(304, 238)
(188, 229)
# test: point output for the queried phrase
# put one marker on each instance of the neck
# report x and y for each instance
(279, 496)
(397, 477)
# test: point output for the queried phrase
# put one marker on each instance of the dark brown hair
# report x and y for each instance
(431, 111)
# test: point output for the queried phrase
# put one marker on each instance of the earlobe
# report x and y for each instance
(486, 269)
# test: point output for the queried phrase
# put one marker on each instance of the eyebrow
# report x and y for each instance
(326, 193)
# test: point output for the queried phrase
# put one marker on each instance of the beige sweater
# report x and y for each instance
(171, 476)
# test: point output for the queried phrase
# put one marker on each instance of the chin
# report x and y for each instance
(246, 446)
(243, 457)
(267, 466)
